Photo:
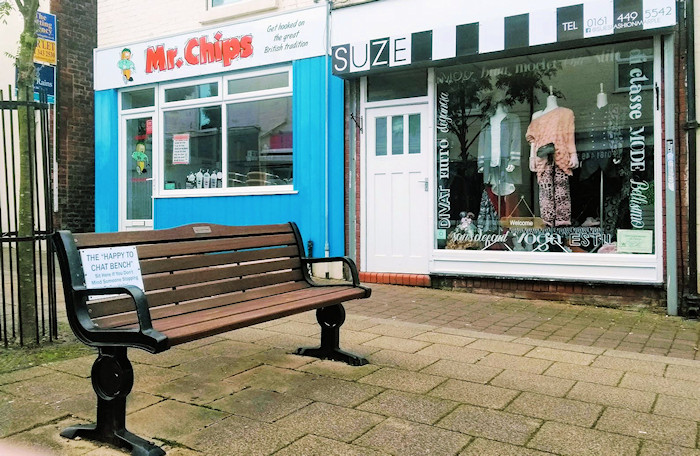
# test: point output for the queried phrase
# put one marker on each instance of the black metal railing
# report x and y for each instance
(40, 117)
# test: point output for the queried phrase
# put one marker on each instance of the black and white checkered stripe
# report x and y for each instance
(586, 20)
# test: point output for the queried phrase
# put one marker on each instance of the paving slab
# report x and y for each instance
(238, 435)
(335, 391)
(313, 445)
(397, 344)
(475, 394)
(412, 407)
(584, 373)
(484, 447)
(550, 408)
(402, 360)
(662, 449)
(670, 386)
(518, 363)
(474, 373)
(412, 382)
(396, 436)
(630, 365)
(491, 424)
(677, 407)
(526, 381)
(335, 369)
(649, 427)
(170, 420)
(565, 439)
(641, 401)
(260, 405)
(332, 421)
(270, 378)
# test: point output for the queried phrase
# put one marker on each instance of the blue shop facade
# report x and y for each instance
(237, 124)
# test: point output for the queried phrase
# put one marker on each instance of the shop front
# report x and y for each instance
(518, 141)
(237, 124)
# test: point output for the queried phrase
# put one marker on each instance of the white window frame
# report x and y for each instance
(221, 13)
(222, 99)
(124, 116)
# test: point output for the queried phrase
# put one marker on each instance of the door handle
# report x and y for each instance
(425, 182)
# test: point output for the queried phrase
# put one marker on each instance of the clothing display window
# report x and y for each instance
(550, 152)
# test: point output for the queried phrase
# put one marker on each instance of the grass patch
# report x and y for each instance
(66, 347)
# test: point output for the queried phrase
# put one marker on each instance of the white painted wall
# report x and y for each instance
(128, 21)
(9, 44)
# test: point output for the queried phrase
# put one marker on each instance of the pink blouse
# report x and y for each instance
(557, 127)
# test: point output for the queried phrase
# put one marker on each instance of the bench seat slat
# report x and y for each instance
(202, 246)
(187, 331)
(171, 310)
(169, 323)
(202, 276)
(163, 297)
(156, 265)
(87, 240)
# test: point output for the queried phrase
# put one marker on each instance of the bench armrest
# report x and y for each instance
(140, 301)
(344, 259)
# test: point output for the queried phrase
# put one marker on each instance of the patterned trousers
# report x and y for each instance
(555, 197)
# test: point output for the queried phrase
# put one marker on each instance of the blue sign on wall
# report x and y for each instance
(46, 26)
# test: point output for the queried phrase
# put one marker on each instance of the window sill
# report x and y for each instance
(226, 192)
(244, 8)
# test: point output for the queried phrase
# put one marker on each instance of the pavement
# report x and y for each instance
(450, 373)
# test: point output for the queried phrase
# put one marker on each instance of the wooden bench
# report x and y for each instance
(199, 280)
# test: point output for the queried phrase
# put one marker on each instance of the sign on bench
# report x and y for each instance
(111, 267)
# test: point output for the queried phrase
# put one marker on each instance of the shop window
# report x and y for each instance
(549, 152)
(258, 83)
(241, 139)
(260, 142)
(192, 146)
(192, 92)
(223, 2)
(402, 84)
(135, 99)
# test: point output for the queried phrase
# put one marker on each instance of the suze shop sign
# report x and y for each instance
(199, 51)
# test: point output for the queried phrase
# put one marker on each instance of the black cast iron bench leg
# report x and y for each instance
(112, 380)
(331, 319)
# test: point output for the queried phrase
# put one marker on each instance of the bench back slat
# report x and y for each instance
(156, 265)
(202, 266)
(181, 233)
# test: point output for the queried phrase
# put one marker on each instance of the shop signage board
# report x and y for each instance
(480, 29)
(227, 47)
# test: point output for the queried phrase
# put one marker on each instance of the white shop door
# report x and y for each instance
(398, 185)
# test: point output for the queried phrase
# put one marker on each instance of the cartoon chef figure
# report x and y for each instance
(126, 65)
(139, 155)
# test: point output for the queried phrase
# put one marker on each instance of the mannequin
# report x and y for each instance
(553, 157)
(499, 158)
(602, 145)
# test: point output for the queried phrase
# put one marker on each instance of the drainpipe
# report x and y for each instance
(691, 129)
(670, 163)
(327, 247)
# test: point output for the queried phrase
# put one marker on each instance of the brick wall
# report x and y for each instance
(77, 37)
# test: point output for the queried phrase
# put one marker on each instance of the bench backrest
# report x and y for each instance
(197, 266)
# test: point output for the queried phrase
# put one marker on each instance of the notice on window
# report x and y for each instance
(111, 267)
(635, 241)
(181, 149)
